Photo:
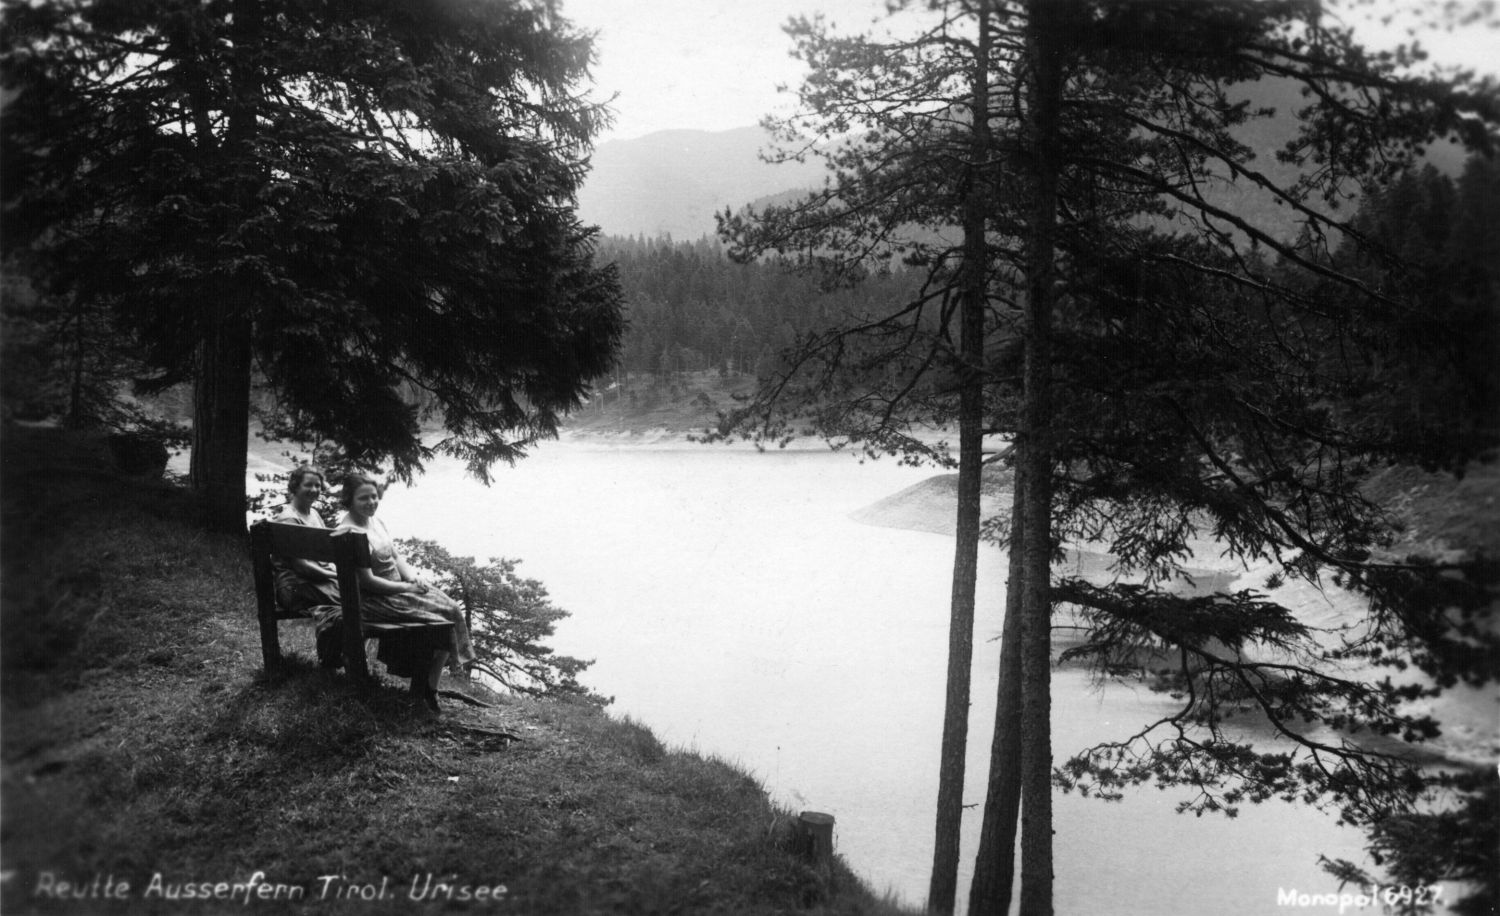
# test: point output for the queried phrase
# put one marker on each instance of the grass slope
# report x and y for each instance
(142, 739)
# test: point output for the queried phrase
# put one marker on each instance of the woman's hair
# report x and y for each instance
(352, 483)
(294, 479)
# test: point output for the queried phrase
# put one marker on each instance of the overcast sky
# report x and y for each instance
(715, 64)
(706, 64)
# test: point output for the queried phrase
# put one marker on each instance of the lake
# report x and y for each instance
(731, 604)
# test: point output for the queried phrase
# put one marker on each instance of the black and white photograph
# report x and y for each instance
(891, 457)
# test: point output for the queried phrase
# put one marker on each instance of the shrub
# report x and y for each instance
(508, 617)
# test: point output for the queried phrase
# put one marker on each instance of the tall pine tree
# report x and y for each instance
(1192, 391)
(353, 199)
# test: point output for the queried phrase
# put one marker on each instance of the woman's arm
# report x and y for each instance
(403, 569)
(408, 574)
(372, 583)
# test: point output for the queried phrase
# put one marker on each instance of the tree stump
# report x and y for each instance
(815, 838)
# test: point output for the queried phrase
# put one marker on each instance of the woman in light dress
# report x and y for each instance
(391, 591)
(302, 584)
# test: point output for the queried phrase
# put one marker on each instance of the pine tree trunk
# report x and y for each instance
(75, 395)
(1048, 21)
(943, 888)
(995, 864)
(221, 421)
(221, 389)
(1036, 695)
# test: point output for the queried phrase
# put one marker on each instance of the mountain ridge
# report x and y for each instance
(672, 182)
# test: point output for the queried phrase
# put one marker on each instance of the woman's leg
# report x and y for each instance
(429, 681)
(435, 670)
(461, 647)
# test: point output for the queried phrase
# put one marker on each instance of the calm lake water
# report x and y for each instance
(731, 605)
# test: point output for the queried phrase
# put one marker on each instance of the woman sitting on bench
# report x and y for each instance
(391, 591)
(302, 584)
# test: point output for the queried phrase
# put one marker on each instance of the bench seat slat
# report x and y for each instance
(384, 627)
(368, 626)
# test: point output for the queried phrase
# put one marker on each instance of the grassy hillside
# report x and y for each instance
(144, 746)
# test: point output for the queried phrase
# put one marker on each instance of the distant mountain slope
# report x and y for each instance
(674, 181)
(1266, 136)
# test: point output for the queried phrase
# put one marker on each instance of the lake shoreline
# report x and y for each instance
(1471, 726)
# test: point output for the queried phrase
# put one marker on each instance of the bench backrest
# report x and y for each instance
(315, 544)
(347, 551)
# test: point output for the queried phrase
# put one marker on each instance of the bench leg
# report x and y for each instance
(354, 643)
(270, 645)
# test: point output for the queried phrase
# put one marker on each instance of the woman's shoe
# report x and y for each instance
(430, 698)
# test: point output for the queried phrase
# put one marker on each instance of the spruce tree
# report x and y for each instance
(353, 200)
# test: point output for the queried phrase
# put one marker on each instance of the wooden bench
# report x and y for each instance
(348, 552)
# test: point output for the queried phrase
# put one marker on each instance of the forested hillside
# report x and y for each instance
(692, 309)
(1437, 373)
